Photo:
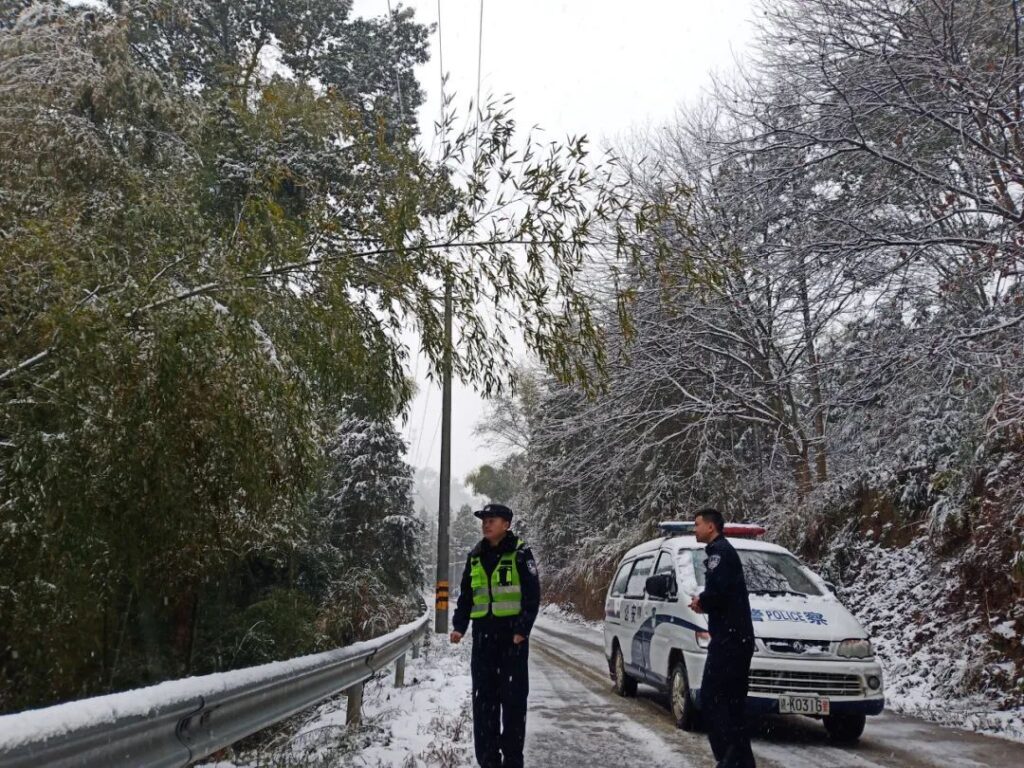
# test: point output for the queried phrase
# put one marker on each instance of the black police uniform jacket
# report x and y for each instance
(529, 587)
(724, 598)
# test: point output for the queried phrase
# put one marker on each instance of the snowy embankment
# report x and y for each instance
(426, 722)
(932, 648)
(564, 615)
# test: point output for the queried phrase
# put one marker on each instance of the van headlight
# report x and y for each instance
(856, 649)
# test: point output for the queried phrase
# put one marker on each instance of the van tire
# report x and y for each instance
(625, 685)
(845, 728)
(684, 711)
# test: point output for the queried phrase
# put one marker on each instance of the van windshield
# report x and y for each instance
(766, 573)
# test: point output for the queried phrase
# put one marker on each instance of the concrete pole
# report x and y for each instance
(444, 500)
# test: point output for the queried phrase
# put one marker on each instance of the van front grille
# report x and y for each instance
(774, 681)
(797, 647)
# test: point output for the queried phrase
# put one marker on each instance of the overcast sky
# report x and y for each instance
(593, 67)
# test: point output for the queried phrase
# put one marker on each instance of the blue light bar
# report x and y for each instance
(676, 528)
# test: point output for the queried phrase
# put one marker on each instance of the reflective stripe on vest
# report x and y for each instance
(500, 595)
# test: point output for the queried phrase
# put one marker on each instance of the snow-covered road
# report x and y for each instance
(576, 720)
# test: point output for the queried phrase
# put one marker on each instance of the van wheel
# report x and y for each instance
(845, 728)
(684, 711)
(624, 684)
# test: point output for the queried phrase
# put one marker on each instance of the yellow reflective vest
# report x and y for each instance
(501, 594)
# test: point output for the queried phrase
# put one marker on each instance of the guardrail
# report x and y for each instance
(179, 722)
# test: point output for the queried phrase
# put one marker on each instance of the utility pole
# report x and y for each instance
(444, 500)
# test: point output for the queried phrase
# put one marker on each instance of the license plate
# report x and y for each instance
(803, 705)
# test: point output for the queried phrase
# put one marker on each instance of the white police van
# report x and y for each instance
(812, 657)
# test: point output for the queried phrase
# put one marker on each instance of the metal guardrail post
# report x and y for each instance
(354, 711)
(400, 671)
(416, 650)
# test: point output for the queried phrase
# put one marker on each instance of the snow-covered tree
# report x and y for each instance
(843, 307)
(367, 539)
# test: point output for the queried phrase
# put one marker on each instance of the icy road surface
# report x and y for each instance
(575, 719)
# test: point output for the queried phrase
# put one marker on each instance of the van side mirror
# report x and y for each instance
(661, 585)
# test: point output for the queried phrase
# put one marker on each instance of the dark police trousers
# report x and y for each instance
(723, 695)
(500, 686)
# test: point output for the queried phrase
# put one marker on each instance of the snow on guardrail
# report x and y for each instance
(179, 721)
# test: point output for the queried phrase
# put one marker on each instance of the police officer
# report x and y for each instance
(723, 690)
(500, 593)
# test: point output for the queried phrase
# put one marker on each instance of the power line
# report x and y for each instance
(433, 440)
(440, 71)
(440, 53)
(401, 114)
(479, 61)
(415, 379)
(398, 79)
(423, 422)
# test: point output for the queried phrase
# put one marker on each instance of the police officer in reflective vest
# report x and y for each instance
(723, 690)
(500, 593)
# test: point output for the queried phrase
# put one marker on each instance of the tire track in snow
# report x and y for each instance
(574, 722)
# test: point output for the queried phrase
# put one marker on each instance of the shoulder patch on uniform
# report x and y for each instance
(713, 562)
(531, 566)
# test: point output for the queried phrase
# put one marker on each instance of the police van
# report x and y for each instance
(811, 656)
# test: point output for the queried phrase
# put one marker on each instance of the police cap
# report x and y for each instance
(494, 510)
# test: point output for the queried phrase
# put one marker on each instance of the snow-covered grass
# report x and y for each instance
(425, 724)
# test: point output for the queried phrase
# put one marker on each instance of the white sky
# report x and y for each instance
(593, 67)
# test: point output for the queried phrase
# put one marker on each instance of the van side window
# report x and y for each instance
(619, 585)
(638, 579)
(665, 564)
